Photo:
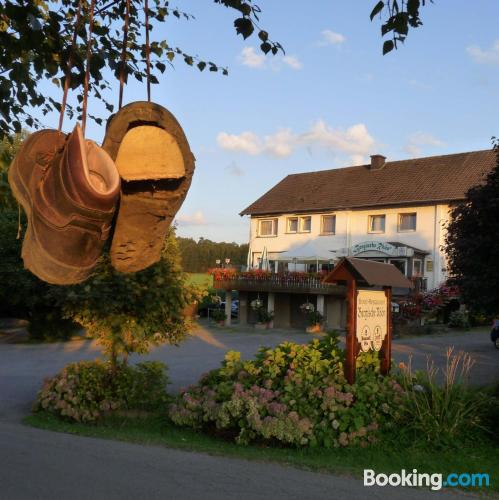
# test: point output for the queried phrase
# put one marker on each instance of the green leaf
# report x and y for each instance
(244, 27)
(388, 46)
(263, 36)
(266, 47)
(377, 9)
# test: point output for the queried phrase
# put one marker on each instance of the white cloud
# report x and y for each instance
(331, 38)
(246, 142)
(418, 140)
(355, 141)
(292, 62)
(249, 57)
(195, 219)
(489, 56)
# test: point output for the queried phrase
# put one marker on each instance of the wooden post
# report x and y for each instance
(351, 339)
(386, 348)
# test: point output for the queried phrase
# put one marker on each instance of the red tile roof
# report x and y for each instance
(407, 182)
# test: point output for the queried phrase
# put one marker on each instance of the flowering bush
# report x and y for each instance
(222, 274)
(87, 390)
(439, 296)
(293, 394)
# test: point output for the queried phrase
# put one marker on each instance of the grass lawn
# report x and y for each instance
(200, 279)
(390, 457)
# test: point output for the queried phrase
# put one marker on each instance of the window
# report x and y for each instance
(429, 266)
(399, 264)
(292, 224)
(417, 267)
(407, 222)
(305, 224)
(376, 224)
(267, 227)
(328, 224)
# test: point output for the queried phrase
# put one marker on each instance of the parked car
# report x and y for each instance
(494, 333)
(203, 309)
(234, 308)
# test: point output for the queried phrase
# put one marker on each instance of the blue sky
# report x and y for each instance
(331, 101)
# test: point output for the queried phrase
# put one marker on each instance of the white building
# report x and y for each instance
(386, 211)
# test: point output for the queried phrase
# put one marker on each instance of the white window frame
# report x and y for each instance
(322, 224)
(288, 220)
(300, 222)
(369, 224)
(421, 267)
(274, 221)
(415, 222)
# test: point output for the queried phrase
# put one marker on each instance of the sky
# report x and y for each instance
(331, 101)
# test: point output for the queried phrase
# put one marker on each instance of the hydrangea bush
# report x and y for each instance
(88, 390)
(294, 394)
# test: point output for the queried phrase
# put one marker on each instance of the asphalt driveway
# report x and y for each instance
(42, 464)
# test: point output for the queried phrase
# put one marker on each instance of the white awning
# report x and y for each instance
(309, 251)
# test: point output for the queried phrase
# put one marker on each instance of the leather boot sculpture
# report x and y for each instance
(70, 188)
(156, 165)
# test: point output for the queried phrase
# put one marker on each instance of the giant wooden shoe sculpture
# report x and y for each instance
(155, 164)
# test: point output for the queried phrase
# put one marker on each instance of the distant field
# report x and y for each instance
(201, 279)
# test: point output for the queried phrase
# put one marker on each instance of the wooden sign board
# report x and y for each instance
(369, 315)
(371, 319)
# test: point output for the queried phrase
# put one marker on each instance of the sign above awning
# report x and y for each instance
(382, 247)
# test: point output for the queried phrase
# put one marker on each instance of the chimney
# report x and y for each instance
(377, 162)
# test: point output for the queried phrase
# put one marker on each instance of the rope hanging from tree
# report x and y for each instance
(148, 52)
(123, 52)
(69, 66)
(87, 71)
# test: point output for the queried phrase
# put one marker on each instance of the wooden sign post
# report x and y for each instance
(369, 319)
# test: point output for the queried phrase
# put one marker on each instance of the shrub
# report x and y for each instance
(314, 318)
(459, 319)
(87, 390)
(218, 315)
(442, 412)
(264, 316)
(293, 394)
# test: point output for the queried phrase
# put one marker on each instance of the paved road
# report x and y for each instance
(45, 465)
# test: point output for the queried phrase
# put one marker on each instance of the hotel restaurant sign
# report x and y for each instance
(372, 319)
(379, 246)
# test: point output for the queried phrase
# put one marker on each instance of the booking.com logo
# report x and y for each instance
(434, 481)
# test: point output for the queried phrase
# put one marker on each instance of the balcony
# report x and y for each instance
(265, 281)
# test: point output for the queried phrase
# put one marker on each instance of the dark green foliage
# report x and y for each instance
(35, 46)
(133, 312)
(23, 295)
(472, 248)
(89, 390)
(199, 256)
(400, 16)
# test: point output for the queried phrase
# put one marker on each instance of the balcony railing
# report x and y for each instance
(274, 282)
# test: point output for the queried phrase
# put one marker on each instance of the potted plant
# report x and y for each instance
(314, 318)
(219, 316)
(265, 319)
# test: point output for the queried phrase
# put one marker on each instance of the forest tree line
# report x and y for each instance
(199, 256)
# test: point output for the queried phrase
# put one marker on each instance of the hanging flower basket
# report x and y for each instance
(256, 304)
